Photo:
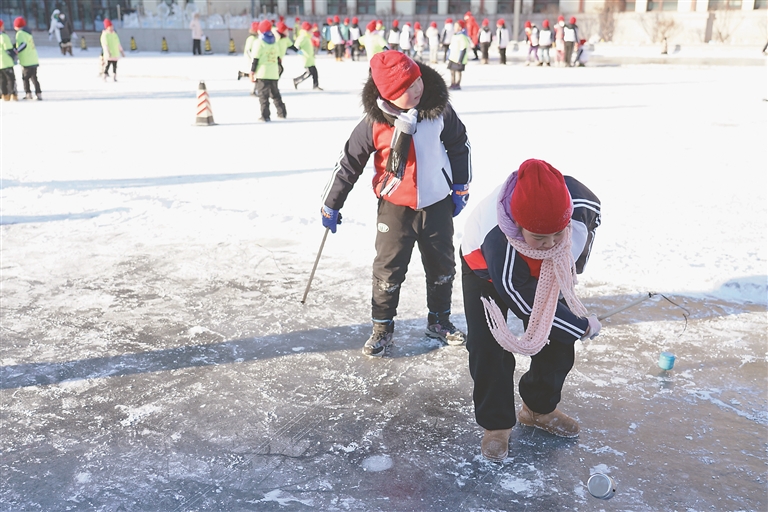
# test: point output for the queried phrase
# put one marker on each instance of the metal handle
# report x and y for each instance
(314, 267)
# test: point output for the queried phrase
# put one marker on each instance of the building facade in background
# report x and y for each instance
(87, 15)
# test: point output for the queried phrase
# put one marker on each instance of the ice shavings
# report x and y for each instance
(759, 417)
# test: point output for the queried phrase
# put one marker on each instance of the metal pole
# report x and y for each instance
(626, 306)
(516, 20)
(314, 267)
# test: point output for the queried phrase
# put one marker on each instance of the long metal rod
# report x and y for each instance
(314, 267)
(626, 306)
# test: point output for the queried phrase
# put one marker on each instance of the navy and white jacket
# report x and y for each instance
(488, 253)
(439, 156)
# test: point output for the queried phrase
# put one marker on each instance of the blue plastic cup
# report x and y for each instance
(666, 360)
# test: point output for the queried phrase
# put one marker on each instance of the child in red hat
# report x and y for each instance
(7, 57)
(446, 36)
(433, 41)
(458, 53)
(502, 40)
(422, 169)
(521, 250)
(111, 49)
(28, 58)
(571, 38)
(484, 38)
(355, 33)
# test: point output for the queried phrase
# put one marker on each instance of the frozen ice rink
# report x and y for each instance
(155, 355)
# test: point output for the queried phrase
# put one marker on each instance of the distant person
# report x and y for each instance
(54, 29)
(582, 54)
(546, 40)
(307, 51)
(502, 40)
(283, 43)
(7, 61)
(433, 40)
(373, 41)
(337, 39)
(485, 38)
(532, 34)
(265, 71)
(473, 32)
(393, 39)
(560, 40)
(250, 48)
(197, 34)
(571, 39)
(422, 170)
(355, 33)
(446, 36)
(521, 249)
(406, 39)
(111, 50)
(458, 54)
(28, 59)
(67, 33)
(419, 42)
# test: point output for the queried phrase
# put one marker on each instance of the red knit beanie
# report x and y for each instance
(485, 22)
(462, 24)
(107, 23)
(19, 22)
(2, 24)
(393, 72)
(545, 23)
(282, 28)
(395, 23)
(433, 24)
(265, 26)
(355, 20)
(541, 202)
(306, 26)
(572, 21)
(371, 27)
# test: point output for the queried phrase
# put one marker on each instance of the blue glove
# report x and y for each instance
(460, 196)
(331, 218)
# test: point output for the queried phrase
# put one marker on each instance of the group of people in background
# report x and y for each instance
(61, 28)
(564, 38)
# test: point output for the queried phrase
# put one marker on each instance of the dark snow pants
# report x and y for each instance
(8, 81)
(266, 89)
(493, 368)
(399, 228)
(28, 74)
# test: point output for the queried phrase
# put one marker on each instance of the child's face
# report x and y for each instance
(542, 242)
(411, 97)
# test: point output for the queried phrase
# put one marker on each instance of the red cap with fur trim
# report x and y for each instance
(393, 72)
(541, 202)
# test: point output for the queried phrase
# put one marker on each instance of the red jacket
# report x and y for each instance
(473, 30)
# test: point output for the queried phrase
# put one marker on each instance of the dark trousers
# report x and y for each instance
(338, 50)
(399, 228)
(484, 50)
(268, 89)
(30, 74)
(354, 50)
(569, 53)
(196, 49)
(445, 52)
(113, 63)
(502, 55)
(311, 71)
(493, 368)
(8, 81)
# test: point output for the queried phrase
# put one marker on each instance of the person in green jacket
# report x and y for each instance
(373, 41)
(283, 43)
(249, 50)
(458, 53)
(307, 51)
(265, 72)
(7, 58)
(111, 49)
(27, 53)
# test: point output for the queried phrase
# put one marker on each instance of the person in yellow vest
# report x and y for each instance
(458, 53)
(111, 49)
(265, 71)
(7, 58)
(373, 41)
(283, 43)
(307, 51)
(28, 59)
(249, 50)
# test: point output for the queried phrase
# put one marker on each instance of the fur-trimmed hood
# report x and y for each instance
(431, 106)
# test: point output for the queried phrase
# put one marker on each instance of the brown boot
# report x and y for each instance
(495, 444)
(6, 97)
(555, 422)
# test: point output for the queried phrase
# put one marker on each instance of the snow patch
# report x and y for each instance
(281, 498)
(377, 463)
(136, 414)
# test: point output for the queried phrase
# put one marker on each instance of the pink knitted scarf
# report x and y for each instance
(558, 274)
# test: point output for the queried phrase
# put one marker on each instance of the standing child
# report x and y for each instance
(571, 37)
(354, 36)
(265, 71)
(502, 39)
(560, 40)
(446, 36)
(250, 48)
(420, 41)
(28, 59)
(307, 52)
(7, 58)
(546, 38)
(458, 54)
(433, 40)
(197, 34)
(532, 34)
(393, 40)
(283, 43)
(406, 39)
(337, 39)
(422, 174)
(521, 249)
(111, 49)
(67, 33)
(485, 38)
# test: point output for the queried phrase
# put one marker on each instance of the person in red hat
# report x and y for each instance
(28, 59)
(7, 57)
(473, 32)
(571, 38)
(249, 51)
(502, 40)
(560, 40)
(433, 41)
(521, 249)
(345, 33)
(111, 49)
(458, 53)
(283, 43)
(355, 33)
(546, 39)
(422, 169)
(532, 35)
(337, 39)
(419, 42)
(393, 39)
(373, 41)
(446, 36)
(265, 71)
(306, 49)
(485, 38)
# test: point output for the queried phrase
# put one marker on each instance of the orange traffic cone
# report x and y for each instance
(204, 114)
